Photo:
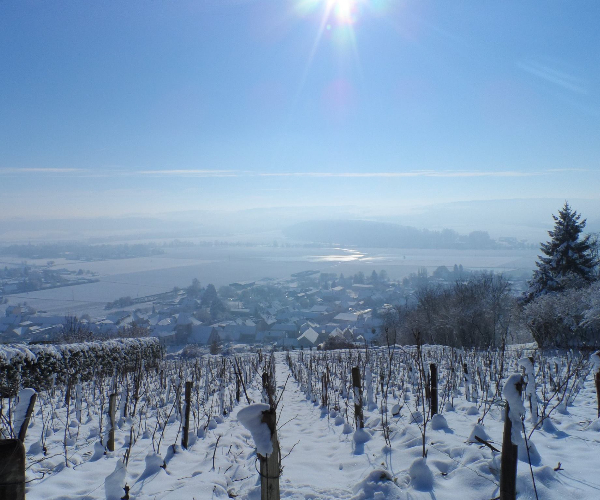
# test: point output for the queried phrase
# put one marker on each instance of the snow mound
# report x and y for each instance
(251, 418)
(421, 477)
(113, 486)
(438, 422)
(472, 410)
(478, 431)
(98, 451)
(594, 426)
(378, 485)
(416, 417)
(548, 425)
(534, 455)
(361, 436)
(36, 448)
(154, 463)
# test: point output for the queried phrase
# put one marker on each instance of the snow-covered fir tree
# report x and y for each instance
(567, 260)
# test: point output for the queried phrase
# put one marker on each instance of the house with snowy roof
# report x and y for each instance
(202, 335)
(265, 322)
(288, 341)
(352, 316)
(289, 328)
(308, 339)
(237, 333)
(363, 291)
(163, 329)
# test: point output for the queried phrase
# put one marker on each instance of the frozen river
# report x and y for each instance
(223, 265)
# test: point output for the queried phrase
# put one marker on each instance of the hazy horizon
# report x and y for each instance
(523, 219)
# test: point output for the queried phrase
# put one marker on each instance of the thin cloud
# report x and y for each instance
(39, 170)
(560, 170)
(199, 173)
(554, 76)
(188, 173)
(418, 173)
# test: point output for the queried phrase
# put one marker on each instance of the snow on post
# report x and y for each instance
(251, 417)
(26, 400)
(260, 420)
(527, 365)
(516, 409)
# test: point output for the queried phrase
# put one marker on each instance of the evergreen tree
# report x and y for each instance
(567, 260)
(217, 309)
(210, 294)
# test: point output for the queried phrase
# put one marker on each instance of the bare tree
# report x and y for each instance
(74, 330)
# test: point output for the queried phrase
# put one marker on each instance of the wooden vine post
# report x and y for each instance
(510, 456)
(188, 405)
(270, 466)
(466, 380)
(597, 380)
(358, 410)
(25, 424)
(112, 407)
(434, 389)
(12, 460)
(12, 469)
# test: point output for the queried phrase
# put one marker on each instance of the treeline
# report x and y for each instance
(483, 312)
(478, 312)
(386, 235)
(81, 251)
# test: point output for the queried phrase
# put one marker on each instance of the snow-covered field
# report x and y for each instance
(324, 456)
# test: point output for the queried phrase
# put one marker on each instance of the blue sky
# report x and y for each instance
(113, 107)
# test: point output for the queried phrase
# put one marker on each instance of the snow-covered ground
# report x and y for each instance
(324, 458)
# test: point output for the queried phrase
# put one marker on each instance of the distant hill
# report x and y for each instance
(386, 235)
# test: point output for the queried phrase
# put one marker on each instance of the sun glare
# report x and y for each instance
(344, 10)
(336, 11)
(338, 20)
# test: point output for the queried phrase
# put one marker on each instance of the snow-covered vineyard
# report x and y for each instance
(381, 439)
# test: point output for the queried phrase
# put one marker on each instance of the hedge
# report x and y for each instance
(41, 366)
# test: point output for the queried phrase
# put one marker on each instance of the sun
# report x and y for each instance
(344, 10)
(335, 11)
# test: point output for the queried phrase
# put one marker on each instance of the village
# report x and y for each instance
(306, 310)
(24, 277)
